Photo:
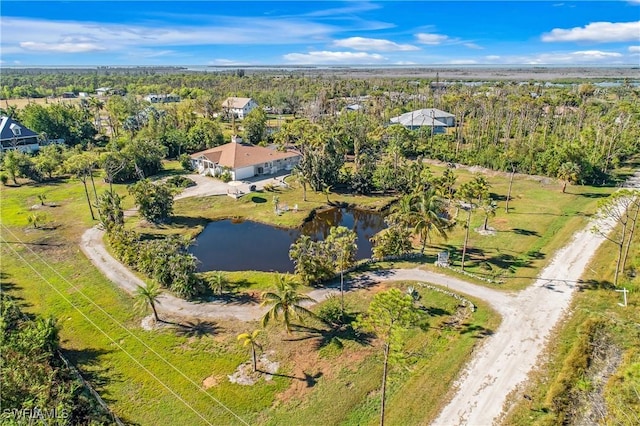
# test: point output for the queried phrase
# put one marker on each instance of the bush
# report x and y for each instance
(4, 178)
(185, 162)
(180, 182)
(225, 176)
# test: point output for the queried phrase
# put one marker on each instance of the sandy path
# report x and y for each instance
(498, 366)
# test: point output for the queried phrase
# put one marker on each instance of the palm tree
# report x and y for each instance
(218, 283)
(489, 207)
(148, 296)
(300, 177)
(251, 339)
(286, 300)
(568, 172)
(429, 217)
(402, 212)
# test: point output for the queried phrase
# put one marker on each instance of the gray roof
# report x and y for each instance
(6, 132)
(422, 117)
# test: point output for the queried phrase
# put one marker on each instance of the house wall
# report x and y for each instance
(449, 121)
(243, 172)
(29, 144)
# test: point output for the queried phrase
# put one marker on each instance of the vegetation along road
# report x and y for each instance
(497, 368)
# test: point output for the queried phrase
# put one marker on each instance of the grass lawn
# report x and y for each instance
(319, 383)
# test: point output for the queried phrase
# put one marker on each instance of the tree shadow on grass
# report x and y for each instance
(477, 331)
(91, 367)
(334, 333)
(594, 195)
(436, 312)
(310, 379)
(9, 289)
(186, 221)
(258, 200)
(525, 232)
(197, 328)
(595, 285)
(238, 298)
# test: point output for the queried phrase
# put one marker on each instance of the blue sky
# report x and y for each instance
(319, 33)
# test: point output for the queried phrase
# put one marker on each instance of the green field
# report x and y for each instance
(156, 377)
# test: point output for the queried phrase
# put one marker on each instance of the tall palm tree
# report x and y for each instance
(148, 296)
(251, 339)
(429, 217)
(285, 300)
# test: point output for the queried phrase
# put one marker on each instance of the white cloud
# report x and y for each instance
(61, 47)
(375, 44)
(493, 57)
(597, 32)
(634, 49)
(463, 62)
(226, 62)
(76, 36)
(472, 46)
(567, 58)
(431, 39)
(329, 57)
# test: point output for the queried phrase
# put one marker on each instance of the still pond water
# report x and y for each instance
(231, 245)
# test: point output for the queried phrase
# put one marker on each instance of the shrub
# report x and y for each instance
(180, 182)
(185, 162)
(225, 176)
(4, 178)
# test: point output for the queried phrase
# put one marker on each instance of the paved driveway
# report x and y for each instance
(207, 185)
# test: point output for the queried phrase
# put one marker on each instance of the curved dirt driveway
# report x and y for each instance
(498, 366)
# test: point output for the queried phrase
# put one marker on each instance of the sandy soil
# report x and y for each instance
(499, 365)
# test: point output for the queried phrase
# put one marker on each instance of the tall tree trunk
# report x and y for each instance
(466, 238)
(93, 184)
(253, 357)
(506, 206)
(634, 221)
(153, 307)
(384, 382)
(342, 291)
(86, 191)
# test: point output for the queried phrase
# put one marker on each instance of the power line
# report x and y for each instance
(119, 324)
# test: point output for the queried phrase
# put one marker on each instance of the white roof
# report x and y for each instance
(422, 117)
(236, 103)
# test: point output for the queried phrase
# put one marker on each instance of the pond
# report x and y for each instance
(232, 245)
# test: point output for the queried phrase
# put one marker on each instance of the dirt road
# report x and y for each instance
(499, 365)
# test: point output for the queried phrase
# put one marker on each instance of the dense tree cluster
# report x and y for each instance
(35, 381)
(316, 261)
(575, 132)
(165, 260)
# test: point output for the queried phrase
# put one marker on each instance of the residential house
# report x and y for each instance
(243, 160)
(239, 107)
(13, 135)
(435, 118)
(162, 98)
(103, 91)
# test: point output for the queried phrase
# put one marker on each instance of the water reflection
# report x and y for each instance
(232, 245)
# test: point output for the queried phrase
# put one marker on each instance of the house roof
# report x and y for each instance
(6, 132)
(422, 117)
(236, 103)
(235, 155)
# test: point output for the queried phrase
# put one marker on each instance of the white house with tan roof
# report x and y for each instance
(239, 107)
(243, 160)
